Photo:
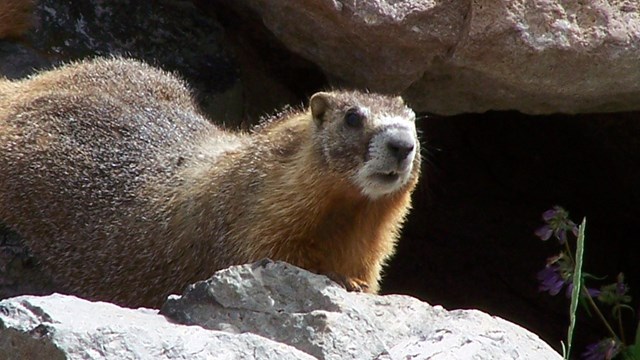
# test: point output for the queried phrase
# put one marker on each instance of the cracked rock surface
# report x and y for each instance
(265, 310)
(307, 311)
(66, 327)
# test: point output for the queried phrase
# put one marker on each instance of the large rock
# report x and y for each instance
(460, 56)
(309, 312)
(66, 327)
(264, 310)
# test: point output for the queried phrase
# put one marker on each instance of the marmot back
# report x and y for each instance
(126, 193)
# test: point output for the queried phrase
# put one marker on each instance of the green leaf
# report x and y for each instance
(616, 310)
(591, 276)
(577, 285)
(631, 353)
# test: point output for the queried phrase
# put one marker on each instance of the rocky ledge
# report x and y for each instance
(265, 310)
(461, 56)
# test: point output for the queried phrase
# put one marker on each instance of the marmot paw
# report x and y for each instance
(349, 283)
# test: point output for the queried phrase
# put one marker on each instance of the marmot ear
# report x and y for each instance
(319, 103)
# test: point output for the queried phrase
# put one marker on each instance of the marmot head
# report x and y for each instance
(370, 137)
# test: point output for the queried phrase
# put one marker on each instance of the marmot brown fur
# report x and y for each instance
(15, 17)
(126, 193)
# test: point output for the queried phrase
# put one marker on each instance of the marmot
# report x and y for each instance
(15, 17)
(126, 193)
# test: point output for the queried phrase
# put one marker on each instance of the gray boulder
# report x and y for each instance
(309, 312)
(266, 310)
(66, 327)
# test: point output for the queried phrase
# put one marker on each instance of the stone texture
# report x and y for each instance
(307, 315)
(307, 311)
(455, 56)
(172, 34)
(66, 327)
(381, 45)
(18, 60)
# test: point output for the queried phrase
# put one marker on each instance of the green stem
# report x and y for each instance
(619, 316)
(569, 253)
(592, 303)
(595, 308)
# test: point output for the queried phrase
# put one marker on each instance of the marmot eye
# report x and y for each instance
(353, 118)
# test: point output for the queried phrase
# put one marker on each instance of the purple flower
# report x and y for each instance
(550, 279)
(561, 235)
(615, 293)
(604, 349)
(557, 223)
(592, 292)
(550, 214)
(621, 287)
(574, 229)
(544, 232)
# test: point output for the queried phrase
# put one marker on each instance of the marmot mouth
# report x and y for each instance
(387, 177)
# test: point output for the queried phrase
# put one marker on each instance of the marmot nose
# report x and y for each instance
(400, 148)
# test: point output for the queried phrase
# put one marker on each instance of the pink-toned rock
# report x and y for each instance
(454, 56)
(382, 45)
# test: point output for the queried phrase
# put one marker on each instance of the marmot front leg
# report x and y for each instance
(349, 283)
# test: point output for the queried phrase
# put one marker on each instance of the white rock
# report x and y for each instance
(265, 310)
(307, 311)
(60, 326)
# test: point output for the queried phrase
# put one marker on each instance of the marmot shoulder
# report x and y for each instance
(127, 193)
